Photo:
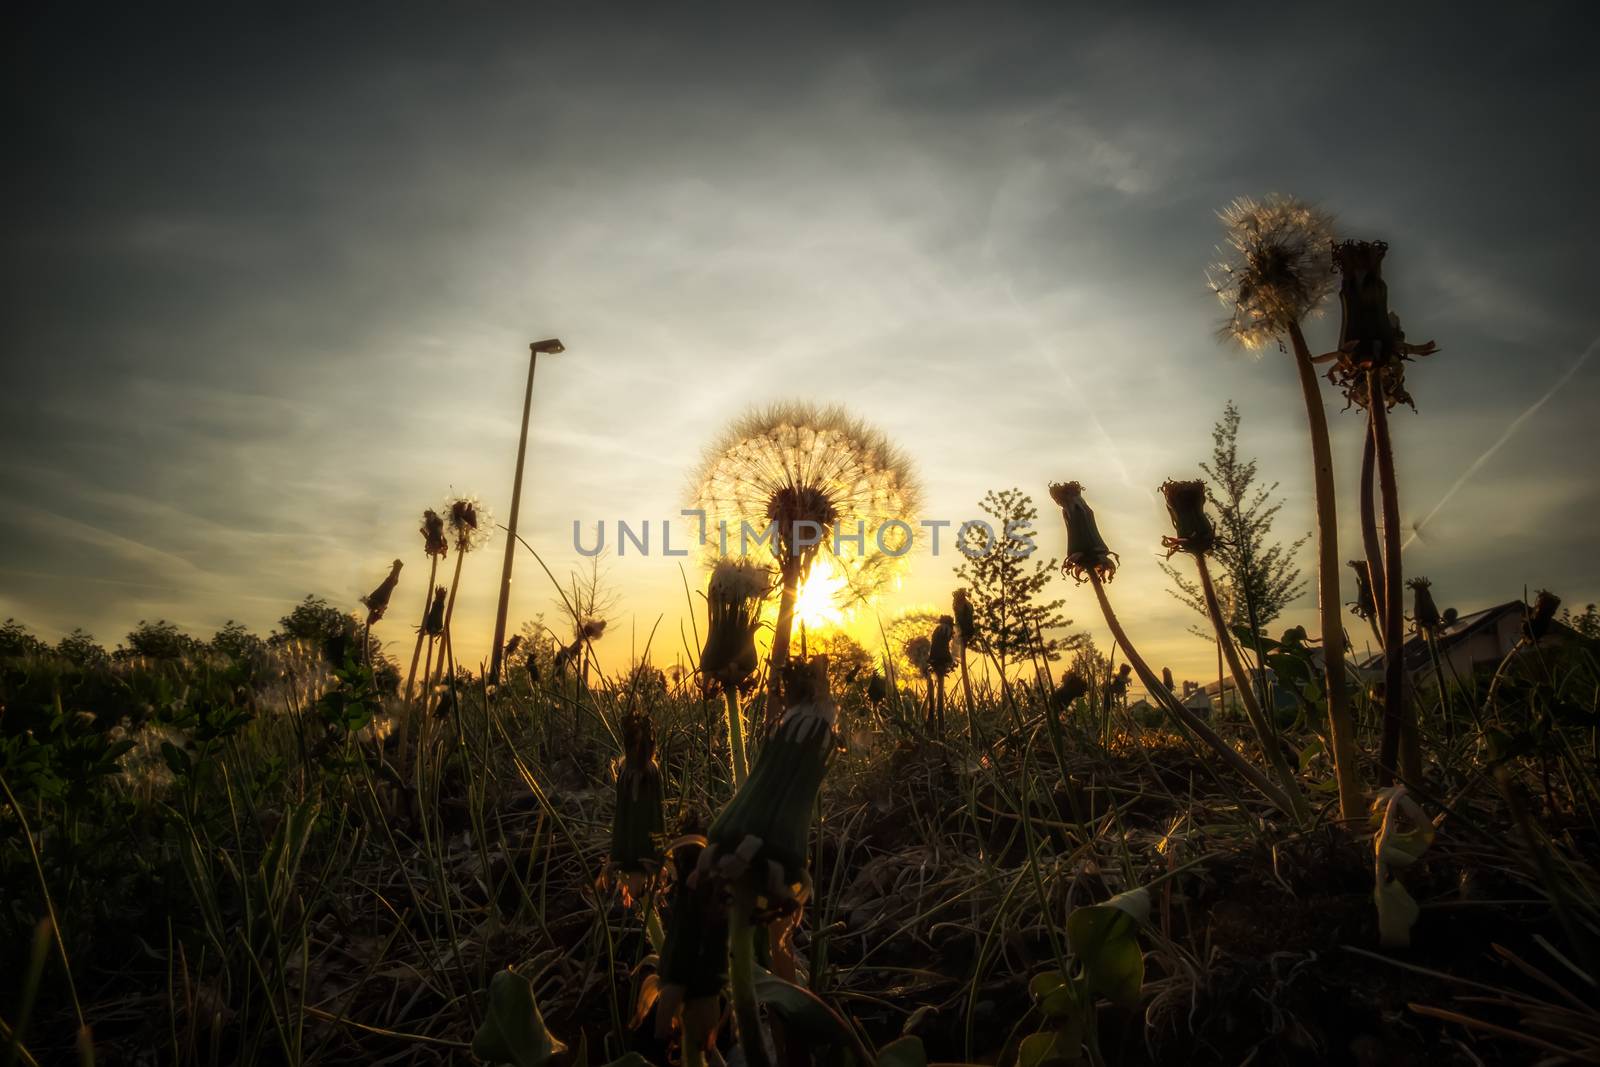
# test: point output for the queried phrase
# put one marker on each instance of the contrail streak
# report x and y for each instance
(1488, 453)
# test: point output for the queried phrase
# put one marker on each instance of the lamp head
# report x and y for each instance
(548, 347)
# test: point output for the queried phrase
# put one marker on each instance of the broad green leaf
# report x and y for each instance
(803, 1011)
(513, 1031)
(1397, 914)
(1047, 1050)
(903, 1052)
(1042, 985)
(1105, 939)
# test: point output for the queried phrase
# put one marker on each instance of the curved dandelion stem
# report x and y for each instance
(1369, 529)
(1341, 726)
(742, 976)
(1196, 725)
(416, 652)
(1252, 707)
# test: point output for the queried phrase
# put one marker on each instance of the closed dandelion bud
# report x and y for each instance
(966, 624)
(1424, 612)
(433, 538)
(1192, 529)
(433, 625)
(940, 661)
(533, 670)
(637, 822)
(1087, 553)
(1541, 615)
(763, 831)
(877, 689)
(733, 602)
(377, 601)
(694, 956)
(919, 651)
(1072, 687)
(1365, 606)
(1366, 336)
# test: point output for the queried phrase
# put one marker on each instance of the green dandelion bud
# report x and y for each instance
(1087, 553)
(1192, 529)
(763, 832)
(694, 956)
(433, 625)
(966, 623)
(433, 538)
(637, 822)
(940, 661)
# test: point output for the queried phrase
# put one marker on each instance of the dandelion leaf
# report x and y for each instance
(1105, 939)
(1397, 914)
(513, 1031)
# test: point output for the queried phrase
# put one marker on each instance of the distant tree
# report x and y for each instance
(850, 666)
(16, 641)
(1257, 577)
(159, 640)
(338, 634)
(1587, 623)
(81, 650)
(1006, 581)
(236, 642)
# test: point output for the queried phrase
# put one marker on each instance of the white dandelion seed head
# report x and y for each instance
(797, 461)
(1277, 267)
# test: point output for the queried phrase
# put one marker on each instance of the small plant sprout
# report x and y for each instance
(1194, 535)
(1089, 559)
(1395, 848)
(733, 603)
(815, 479)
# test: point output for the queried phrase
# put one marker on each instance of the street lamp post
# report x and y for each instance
(550, 347)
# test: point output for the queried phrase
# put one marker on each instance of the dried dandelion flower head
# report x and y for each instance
(919, 653)
(816, 477)
(1192, 528)
(1424, 612)
(1087, 553)
(591, 629)
(1370, 337)
(434, 542)
(966, 621)
(433, 622)
(1275, 268)
(733, 601)
(377, 601)
(1364, 606)
(940, 661)
(470, 523)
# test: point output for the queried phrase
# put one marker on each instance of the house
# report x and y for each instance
(1471, 643)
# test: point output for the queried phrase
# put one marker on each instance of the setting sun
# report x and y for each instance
(816, 604)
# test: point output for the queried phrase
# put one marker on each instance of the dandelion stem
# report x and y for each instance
(1196, 725)
(416, 652)
(779, 656)
(742, 976)
(1252, 707)
(736, 751)
(1399, 722)
(1369, 529)
(1341, 727)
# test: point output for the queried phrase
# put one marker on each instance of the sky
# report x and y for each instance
(271, 272)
